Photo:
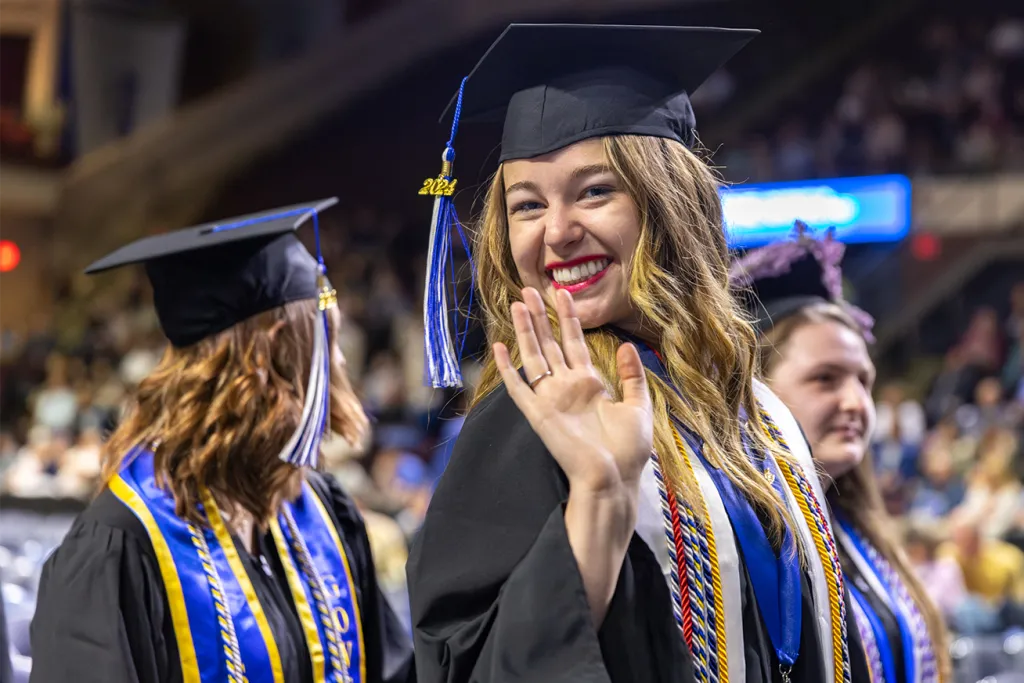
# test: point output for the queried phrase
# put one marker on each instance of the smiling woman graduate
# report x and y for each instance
(215, 551)
(625, 502)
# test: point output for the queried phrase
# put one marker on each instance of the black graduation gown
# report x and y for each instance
(497, 597)
(103, 617)
(858, 658)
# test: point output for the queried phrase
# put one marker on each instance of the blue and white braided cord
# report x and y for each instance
(870, 645)
(674, 588)
(919, 629)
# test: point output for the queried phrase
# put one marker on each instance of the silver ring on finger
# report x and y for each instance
(536, 380)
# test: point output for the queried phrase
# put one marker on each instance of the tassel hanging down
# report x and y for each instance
(443, 350)
(303, 449)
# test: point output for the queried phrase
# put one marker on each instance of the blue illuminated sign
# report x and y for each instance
(867, 209)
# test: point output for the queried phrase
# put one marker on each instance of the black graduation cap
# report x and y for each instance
(772, 299)
(210, 277)
(779, 279)
(556, 84)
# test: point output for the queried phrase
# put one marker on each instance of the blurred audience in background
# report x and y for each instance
(947, 97)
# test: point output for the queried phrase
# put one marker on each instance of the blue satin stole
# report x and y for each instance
(885, 651)
(202, 616)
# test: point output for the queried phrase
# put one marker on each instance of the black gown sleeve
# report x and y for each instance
(100, 612)
(389, 657)
(496, 594)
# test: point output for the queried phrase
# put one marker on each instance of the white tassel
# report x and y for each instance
(303, 448)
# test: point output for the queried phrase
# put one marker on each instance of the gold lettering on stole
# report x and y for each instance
(342, 622)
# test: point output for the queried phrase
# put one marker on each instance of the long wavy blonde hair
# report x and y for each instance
(678, 283)
(218, 413)
(856, 494)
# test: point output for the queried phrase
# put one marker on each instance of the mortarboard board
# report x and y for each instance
(558, 84)
(210, 277)
(779, 279)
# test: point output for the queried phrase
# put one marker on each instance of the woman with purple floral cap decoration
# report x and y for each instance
(814, 354)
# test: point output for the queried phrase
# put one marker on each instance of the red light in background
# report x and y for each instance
(925, 247)
(10, 256)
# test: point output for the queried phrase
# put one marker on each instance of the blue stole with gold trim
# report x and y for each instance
(221, 630)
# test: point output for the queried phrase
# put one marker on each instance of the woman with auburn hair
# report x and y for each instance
(619, 505)
(815, 357)
(215, 550)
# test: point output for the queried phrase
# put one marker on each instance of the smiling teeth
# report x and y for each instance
(580, 273)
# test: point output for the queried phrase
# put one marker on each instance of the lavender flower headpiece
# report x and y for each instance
(777, 260)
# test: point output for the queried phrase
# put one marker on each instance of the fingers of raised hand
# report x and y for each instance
(545, 370)
(542, 328)
(517, 389)
(534, 363)
(574, 346)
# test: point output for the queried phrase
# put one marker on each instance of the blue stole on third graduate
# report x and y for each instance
(775, 576)
(220, 627)
(919, 660)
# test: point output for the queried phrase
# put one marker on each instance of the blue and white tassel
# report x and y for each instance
(442, 356)
(303, 449)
